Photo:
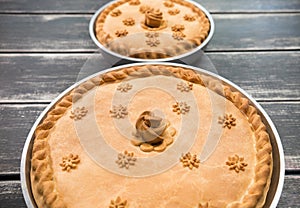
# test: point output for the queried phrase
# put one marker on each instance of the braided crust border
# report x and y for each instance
(170, 51)
(42, 176)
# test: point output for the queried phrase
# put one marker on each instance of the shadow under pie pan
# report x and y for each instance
(174, 40)
(277, 178)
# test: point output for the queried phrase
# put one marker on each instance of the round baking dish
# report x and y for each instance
(277, 179)
(188, 57)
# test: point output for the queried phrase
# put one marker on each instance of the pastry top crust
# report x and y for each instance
(122, 28)
(44, 179)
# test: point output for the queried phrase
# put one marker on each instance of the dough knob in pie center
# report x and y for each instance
(153, 18)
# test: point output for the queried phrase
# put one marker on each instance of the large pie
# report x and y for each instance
(151, 136)
(151, 29)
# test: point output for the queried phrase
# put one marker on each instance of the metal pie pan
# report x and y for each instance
(188, 57)
(277, 179)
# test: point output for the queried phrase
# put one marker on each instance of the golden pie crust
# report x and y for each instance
(122, 28)
(190, 183)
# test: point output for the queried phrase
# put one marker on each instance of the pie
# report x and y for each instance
(151, 135)
(151, 29)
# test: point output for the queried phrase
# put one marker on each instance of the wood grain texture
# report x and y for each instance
(17, 120)
(90, 6)
(264, 75)
(256, 32)
(15, 123)
(37, 77)
(290, 194)
(227, 6)
(41, 77)
(69, 33)
(11, 195)
(45, 33)
(286, 118)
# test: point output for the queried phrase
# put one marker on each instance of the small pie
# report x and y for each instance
(151, 29)
(151, 135)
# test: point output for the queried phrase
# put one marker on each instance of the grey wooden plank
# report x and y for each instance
(264, 75)
(292, 162)
(227, 6)
(37, 77)
(45, 33)
(41, 77)
(286, 117)
(17, 120)
(89, 6)
(234, 32)
(256, 32)
(15, 123)
(53, 6)
(290, 194)
(11, 195)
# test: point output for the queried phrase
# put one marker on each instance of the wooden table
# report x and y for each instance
(44, 44)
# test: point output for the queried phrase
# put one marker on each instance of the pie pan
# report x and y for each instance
(277, 178)
(187, 57)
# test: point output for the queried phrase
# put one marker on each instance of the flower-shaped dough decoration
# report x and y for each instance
(185, 86)
(152, 42)
(173, 11)
(118, 203)
(124, 87)
(227, 121)
(177, 28)
(178, 36)
(152, 39)
(78, 113)
(189, 18)
(181, 108)
(190, 161)
(69, 162)
(236, 163)
(152, 34)
(126, 159)
(119, 111)
(121, 33)
(129, 21)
